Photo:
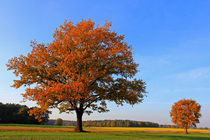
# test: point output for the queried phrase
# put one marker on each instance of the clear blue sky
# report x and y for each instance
(170, 39)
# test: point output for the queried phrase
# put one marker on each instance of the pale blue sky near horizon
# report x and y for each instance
(170, 40)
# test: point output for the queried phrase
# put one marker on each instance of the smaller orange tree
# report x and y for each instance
(185, 113)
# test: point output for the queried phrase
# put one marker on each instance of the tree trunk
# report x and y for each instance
(186, 132)
(78, 127)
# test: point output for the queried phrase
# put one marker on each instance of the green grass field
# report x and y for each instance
(39, 132)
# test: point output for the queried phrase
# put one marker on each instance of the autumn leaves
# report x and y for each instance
(185, 113)
(85, 66)
(82, 68)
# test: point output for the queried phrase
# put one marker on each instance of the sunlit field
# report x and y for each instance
(14, 131)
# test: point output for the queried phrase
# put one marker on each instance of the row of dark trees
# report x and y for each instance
(16, 113)
(113, 123)
(120, 123)
(168, 126)
(109, 123)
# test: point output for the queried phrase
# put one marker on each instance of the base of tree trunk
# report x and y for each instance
(186, 132)
(76, 130)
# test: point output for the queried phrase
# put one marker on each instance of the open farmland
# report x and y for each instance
(56, 132)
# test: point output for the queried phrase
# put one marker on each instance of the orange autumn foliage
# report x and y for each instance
(82, 68)
(38, 113)
(185, 113)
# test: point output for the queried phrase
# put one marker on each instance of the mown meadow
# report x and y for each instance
(37, 132)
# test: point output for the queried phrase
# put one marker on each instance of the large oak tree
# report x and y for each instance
(185, 113)
(82, 68)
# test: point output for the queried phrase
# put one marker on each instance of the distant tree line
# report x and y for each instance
(16, 113)
(120, 123)
(168, 126)
(110, 123)
(175, 126)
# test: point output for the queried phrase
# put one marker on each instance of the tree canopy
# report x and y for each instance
(59, 122)
(185, 113)
(84, 66)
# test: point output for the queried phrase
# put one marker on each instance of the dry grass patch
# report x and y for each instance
(143, 129)
(103, 129)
